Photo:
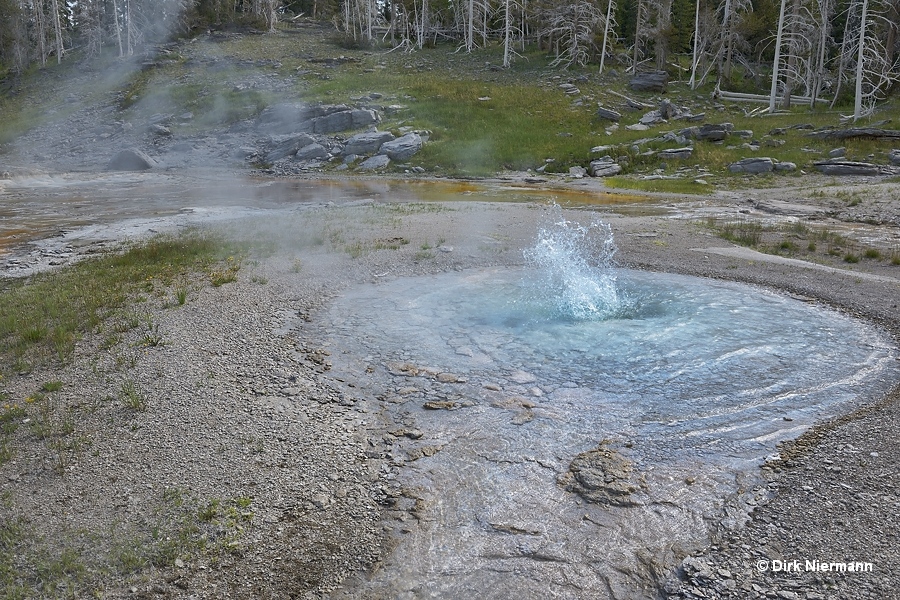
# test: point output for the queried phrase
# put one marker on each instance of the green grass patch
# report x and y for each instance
(745, 233)
(666, 186)
(41, 318)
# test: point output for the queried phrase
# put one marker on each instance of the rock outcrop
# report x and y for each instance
(753, 166)
(366, 143)
(602, 476)
(323, 118)
(650, 81)
(604, 167)
(402, 148)
(839, 166)
(131, 159)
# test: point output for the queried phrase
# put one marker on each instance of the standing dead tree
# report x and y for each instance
(572, 29)
(799, 47)
(865, 55)
(510, 30)
(609, 35)
(706, 31)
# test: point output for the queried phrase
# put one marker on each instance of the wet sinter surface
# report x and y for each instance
(691, 382)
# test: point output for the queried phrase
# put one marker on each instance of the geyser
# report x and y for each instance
(684, 378)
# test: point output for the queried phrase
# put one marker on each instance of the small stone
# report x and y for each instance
(379, 161)
(520, 376)
(439, 405)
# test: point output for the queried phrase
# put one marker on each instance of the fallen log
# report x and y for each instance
(857, 132)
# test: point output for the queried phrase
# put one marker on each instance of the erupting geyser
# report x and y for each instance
(681, 375)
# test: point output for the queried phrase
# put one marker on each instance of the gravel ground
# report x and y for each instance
(249, 473)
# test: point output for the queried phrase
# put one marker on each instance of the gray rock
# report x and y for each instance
(604, 167)
(160, 130)
(651, 81)
(287, 145)
(402, 148)
(894, 157)
(602, 476)
(366, 143)
(379, 161)
(651, 118)
(310, 152)
(837, 166)
(676, 153)
(608, 114)
(785, 167)
(577, 172)
(316, 118)
(837, 153)
(711, 133)
(331, 123)
(363, 117)
(753, 166)
(131, 159)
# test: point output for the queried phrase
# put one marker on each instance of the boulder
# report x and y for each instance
(363, 117)
(650, 81)
(785, 167)
(604, 167)
(577, 172)
(753, 166)
(310, 152)
(675, 153)
(838, 153)
(402, 148)
(282, 146)
(607, 114)
(379, 161)
(131, 159)
(330, 123)
(602, 476)
(712, 133)
(837, 166)
(894, 157)
(651, 118)
(314, 118)
(366, 143)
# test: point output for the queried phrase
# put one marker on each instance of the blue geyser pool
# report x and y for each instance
(691, 378)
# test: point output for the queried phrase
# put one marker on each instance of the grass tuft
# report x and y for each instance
(42, 318)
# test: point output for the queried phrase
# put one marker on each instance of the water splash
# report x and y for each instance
(576, 274)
